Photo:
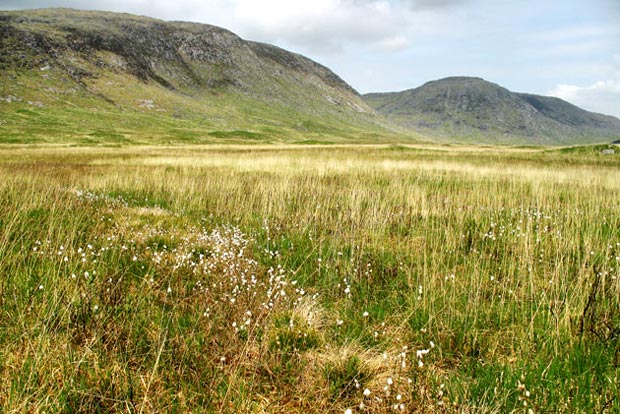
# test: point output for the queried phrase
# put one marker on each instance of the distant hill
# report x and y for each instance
(70, 75)
(474, 110)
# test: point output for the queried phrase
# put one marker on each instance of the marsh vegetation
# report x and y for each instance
(309, 279)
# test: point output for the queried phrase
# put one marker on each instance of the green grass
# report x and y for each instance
(292, 278)
(211, 119)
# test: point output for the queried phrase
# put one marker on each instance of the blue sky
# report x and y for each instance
(565, 48)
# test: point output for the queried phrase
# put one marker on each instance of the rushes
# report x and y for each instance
(314, 280)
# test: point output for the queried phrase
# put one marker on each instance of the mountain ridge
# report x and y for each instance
(99, 77)
(471, 108)
(200, 78)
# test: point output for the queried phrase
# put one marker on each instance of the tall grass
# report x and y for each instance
(309, 279)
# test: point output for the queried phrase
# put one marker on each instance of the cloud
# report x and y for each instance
(326, 25)
(602, 96)
(395, 43)
(435, 4)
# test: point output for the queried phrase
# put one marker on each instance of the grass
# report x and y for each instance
(308, 278)
(68, 114)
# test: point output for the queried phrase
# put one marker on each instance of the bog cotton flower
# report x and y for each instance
(419, 354)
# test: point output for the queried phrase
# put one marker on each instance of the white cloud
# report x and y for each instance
(325, 25)
(602, 96)
(435, 4)
(395, 43)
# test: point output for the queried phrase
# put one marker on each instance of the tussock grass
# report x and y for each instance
(309, 279)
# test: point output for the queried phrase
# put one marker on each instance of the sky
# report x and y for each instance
(564, 48)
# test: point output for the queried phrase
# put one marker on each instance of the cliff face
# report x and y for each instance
(477, 110)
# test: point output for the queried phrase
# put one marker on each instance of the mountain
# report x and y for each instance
(70, 76)
(93, 77)
(474, 110)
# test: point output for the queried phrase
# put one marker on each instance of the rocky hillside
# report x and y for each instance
(113, 74)
(472, 109)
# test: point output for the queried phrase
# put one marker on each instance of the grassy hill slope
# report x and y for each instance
(96, 77)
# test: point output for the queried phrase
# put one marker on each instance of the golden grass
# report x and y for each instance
(292, 278)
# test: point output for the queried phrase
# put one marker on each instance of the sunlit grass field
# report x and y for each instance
(309, 279)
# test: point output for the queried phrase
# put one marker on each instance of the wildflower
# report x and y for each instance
(348, 411)
(365, 314)
(366, 392)
(419, 354)
(390, 381)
